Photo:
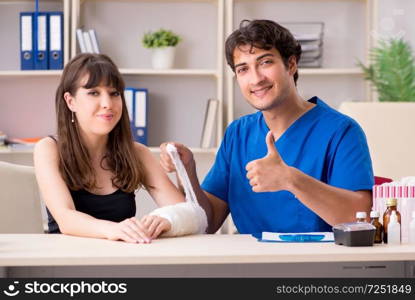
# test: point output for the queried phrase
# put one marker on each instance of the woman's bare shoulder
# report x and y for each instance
(46, 145)
(141, 149)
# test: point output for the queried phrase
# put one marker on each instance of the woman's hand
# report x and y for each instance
(130, 230)
(155, 225)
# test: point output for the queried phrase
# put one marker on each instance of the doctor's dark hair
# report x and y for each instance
(75, 162)
(263, 34)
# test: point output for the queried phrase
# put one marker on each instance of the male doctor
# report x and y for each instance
(293, 166)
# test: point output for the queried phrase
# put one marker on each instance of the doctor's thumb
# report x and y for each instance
(272, 150)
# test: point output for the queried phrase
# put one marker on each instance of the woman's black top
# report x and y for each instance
(115, 207)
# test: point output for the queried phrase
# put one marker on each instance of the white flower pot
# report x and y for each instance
(163, 58)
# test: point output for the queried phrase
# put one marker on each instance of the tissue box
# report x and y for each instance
(354, 234)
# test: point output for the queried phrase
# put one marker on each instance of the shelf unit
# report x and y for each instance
(184, 72)
(329, 72)
(94, 13)
(27, 96)
(30, 73)
(207, 75)
(152, 149)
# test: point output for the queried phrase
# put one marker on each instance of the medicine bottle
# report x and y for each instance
(374, 220)
(361, 216)
(391, 206)
(394, 229)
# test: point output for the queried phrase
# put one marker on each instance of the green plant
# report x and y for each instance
(392, 70)
(160, 38)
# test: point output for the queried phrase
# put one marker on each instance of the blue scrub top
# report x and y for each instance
(322, 143)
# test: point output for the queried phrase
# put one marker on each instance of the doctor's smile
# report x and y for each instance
(260, 92)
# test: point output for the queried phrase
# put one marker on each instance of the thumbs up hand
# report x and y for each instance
(270, 173)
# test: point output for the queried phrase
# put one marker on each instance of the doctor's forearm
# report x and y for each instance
(332, 204)
(200, 194)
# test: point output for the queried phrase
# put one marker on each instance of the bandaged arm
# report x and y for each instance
(185, 218)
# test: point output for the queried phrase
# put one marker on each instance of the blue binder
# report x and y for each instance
(41, 41)
(137, 105)
(26, 41)
(55, 33)
(140, 116)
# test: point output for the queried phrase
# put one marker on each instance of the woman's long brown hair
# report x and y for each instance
(75, 161)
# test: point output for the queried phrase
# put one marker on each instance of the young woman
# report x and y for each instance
(88, 173)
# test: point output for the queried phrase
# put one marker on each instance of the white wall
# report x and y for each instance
(396, 19)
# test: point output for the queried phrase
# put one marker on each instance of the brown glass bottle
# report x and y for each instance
(391, 206)
(374, 220)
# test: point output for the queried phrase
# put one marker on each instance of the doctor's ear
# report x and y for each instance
(69, 99)
(292, 64)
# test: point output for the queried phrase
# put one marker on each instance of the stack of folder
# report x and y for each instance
(41, 40)
(310, 37)
(87, 41)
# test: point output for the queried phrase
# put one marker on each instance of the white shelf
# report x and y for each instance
(20, 1)
(31, 73)
(152, 149)
(190, 72)
(194, 150)
(193, 72)
(4, 150)
(82, 1)
(330, 71)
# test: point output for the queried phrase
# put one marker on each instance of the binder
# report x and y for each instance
(94, 41)
(41, 60)
(81, 42)
(88, 43)
(209, 123)
(140, 115)
(26, 41)
(55, 20)
(129, 102)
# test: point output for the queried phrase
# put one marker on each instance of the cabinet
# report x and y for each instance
(177, 97)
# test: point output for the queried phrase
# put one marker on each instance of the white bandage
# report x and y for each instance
(185, 218)
(188, 217)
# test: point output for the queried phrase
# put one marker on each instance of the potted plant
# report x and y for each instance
(392, 71)
(163, 43)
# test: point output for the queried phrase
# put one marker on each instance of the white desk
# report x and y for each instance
(202, 256)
